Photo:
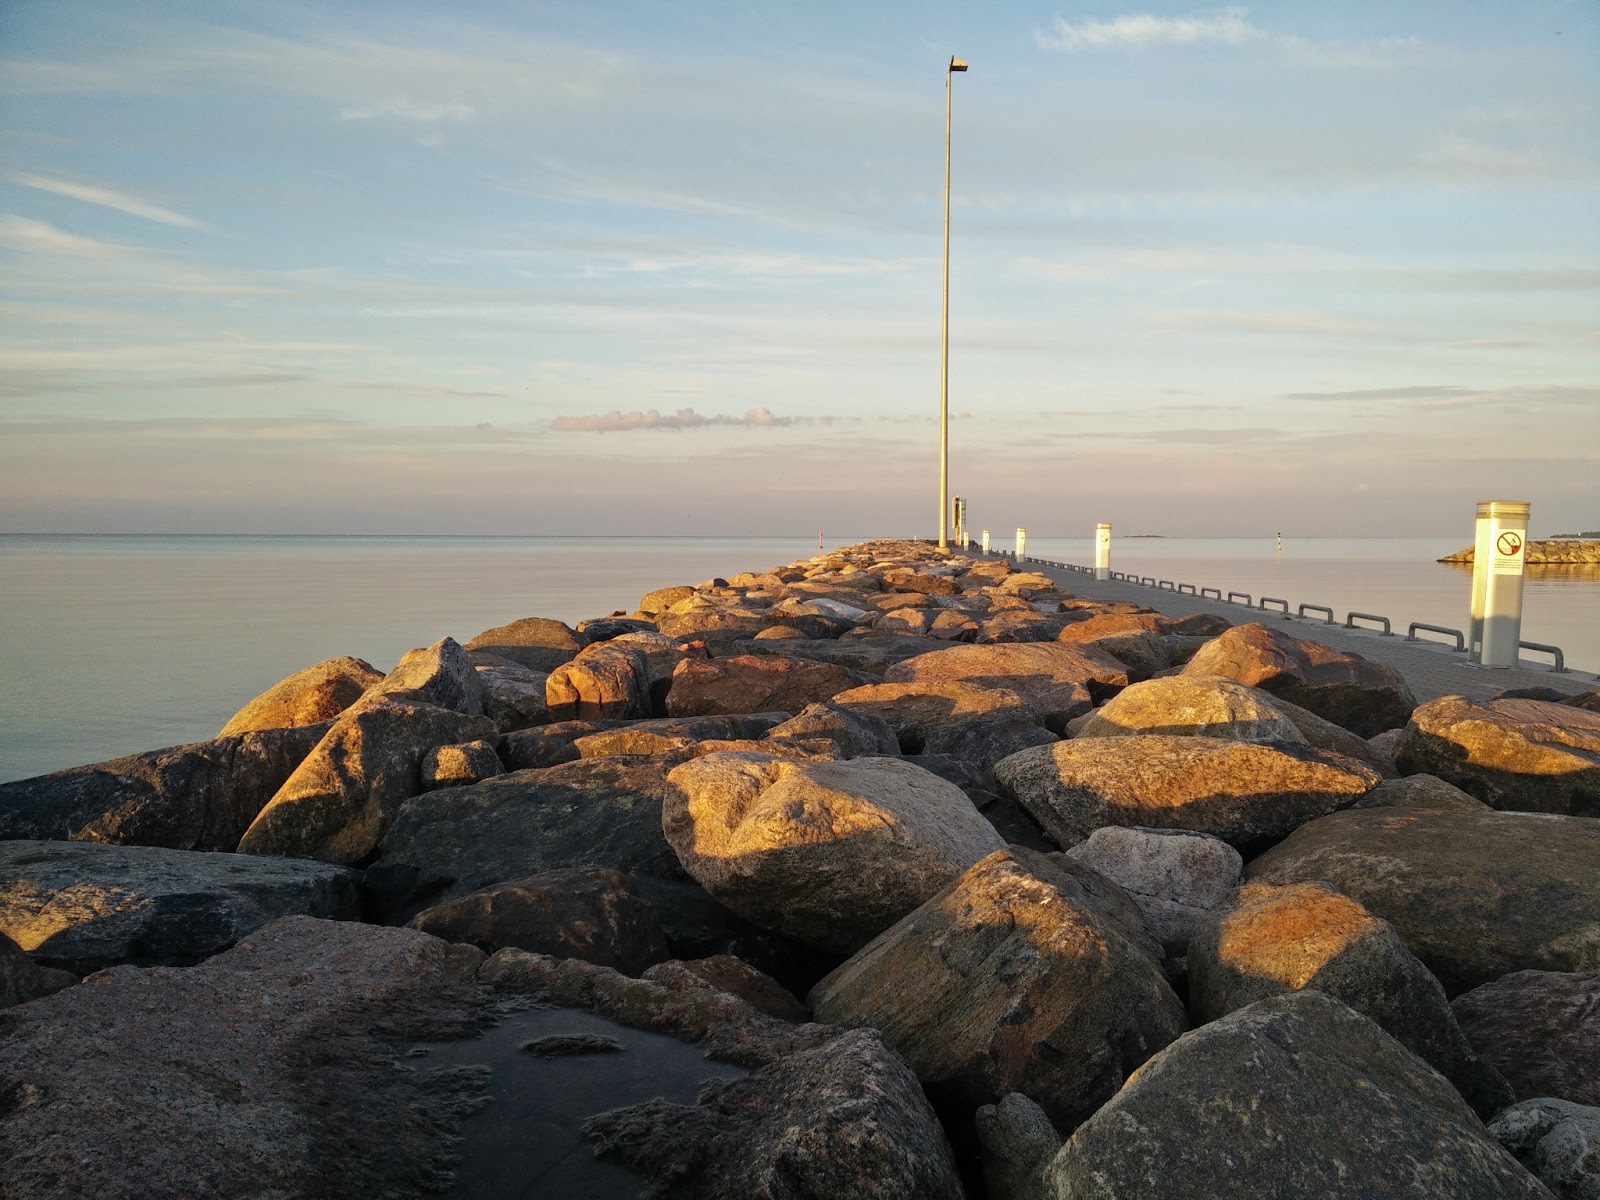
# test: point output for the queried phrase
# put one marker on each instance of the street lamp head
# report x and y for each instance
(956, 64)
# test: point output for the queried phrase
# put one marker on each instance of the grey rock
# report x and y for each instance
(1420, 791)
(513, 696)
(1191, 706)
(265, 1071)
(601, 812)
(1029, 973)
(1558, 1141)
(202, 796)
(1058, 680)
(1474, 895)
(1272, 940)
(441, 675)
(1295, 1095)
(858, 734)
(828, 853)
(458, 766)
(537, 643)
(844, 1119)
(313, 696)
(21, 979)
(1019, 1143)
(1541, 1029)
(81, 907)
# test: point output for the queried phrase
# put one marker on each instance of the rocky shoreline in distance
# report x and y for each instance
(973, 887)
(1549, 553)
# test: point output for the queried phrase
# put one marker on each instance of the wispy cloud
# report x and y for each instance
(106, 198)
(1225, 26)
(403, 109)
(40, 237)
(1455, 396)
(684, 418)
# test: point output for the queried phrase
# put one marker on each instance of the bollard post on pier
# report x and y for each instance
(1102, 550)
(1022, 541)
(1499, 553)
(986, 541)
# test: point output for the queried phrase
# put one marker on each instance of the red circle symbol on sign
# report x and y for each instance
(1509, 544)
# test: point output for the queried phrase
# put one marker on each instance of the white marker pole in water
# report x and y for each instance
(1102, 550)
(1498, 555)
(986, 541)
(1022, 541)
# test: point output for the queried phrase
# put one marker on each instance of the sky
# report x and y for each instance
(652, 268)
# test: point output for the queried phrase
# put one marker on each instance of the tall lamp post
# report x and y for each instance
(944, 329)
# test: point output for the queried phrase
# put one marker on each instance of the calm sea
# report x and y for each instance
(111, 645)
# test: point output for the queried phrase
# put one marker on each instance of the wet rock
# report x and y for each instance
(827, 853)
(1365, 697)
(857, 734)
(21, 979)
(1524, 755)
(1273, 940)
(458, 766)
(592, 913)
(756, 988)
(1027, 974)
(81, 907)
(1249, 794)
(750, 683)
(1058, 681)
(600, 812)
(1541, 1029)
(1191, 706)
(313, 696)
(1295, 1095)
(1019, 1143)
(1556, 1140)
(513, 696)
(201, 796)
(339, 802)
(267, 1070)
(1176, 877)
(537, 643)
(844, 1119)
(1474, 895)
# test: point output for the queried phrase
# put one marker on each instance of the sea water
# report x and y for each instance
(115, 644)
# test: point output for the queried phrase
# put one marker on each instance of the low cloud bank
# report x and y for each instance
(684, 418)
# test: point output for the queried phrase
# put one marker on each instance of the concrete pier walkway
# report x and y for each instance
(1432, 669)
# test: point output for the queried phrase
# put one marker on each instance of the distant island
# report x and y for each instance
(1563, 551)
(1593, 533)
(1144, 535)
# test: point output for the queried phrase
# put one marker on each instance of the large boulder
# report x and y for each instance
(1175, 876)
(844, 1119)
(1027, 974)
(340, 800)
(609, 681)
(265, 1071)
(309, 697)
(1249, 794)
(599, 812)
(1474, 895)
(675, 735)
(1191, 706)
(592, 913)
(538, 643)
(513, 696)
(857, 734)
(1527, 755)
(828, 853)
(1541, 1029)
(1271, 940)
(1019, 1143)
(1558, 1141)
(440, 675)
(1365, 697)
(1059, 681)
(923, 712)
(21, 979)
(1295, 1095)
(751, 683)
(201, 796)
(81, 907)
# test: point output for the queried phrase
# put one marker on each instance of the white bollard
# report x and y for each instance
(986, 541)
(1499, 553)
(1022, 541)
(1102, 550)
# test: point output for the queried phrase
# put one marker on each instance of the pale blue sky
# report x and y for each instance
(657, 268)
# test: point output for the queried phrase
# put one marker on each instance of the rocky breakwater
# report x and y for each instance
(973, 886)
(1553, 552)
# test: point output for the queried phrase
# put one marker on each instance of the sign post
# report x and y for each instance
(1102, 551)
(986, 541)
(1022, 542)
(1499, 553)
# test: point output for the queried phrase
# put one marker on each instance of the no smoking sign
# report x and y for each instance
(1508, 548)
(1509, 544)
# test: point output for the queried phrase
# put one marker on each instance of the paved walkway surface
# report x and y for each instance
(1432, 669)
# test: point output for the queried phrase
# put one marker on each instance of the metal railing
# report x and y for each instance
(1266, 600)
(1248, 603)
(1350, 621)
(1318, 608)
(1560, 667)
(1461, 638)
(1210, 593)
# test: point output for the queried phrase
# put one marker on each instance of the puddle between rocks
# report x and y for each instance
(527, 1142)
